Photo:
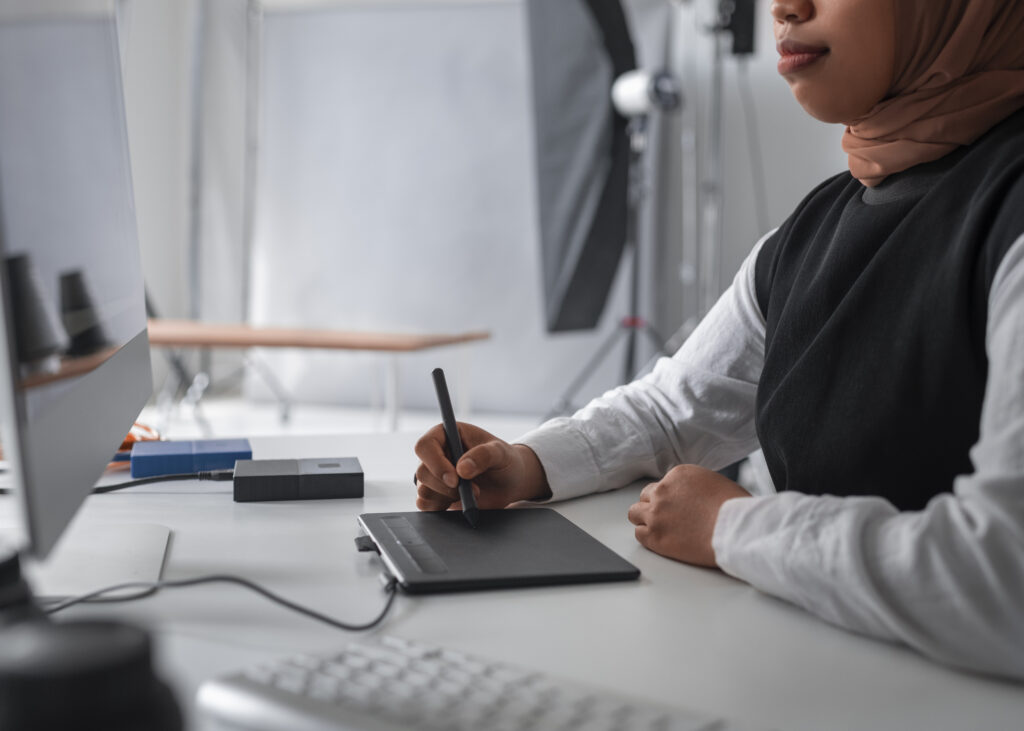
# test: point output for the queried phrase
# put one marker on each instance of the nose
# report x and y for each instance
(792, 11)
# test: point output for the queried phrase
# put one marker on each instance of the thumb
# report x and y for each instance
(482, 458)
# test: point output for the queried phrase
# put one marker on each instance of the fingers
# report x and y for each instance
(431, 492)
(457, 505)
(426, 478)
(437, 479)
(647, 492)
(428, 506)
(492, 455)
(643, 535)
(640, 516)
(427, 499)
(638, 513)
(430, 449)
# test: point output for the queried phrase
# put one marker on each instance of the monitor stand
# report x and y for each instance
(92, 556)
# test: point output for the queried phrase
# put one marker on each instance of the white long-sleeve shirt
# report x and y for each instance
(947, 580)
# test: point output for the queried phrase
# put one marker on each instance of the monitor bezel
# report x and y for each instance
(12, 400)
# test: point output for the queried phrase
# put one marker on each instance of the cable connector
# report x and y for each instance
(366, 544)
(388, 582)
(215, 475)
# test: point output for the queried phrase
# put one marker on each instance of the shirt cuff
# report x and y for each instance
(566, 457)
(752, 539)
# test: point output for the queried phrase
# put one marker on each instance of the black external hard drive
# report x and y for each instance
(259, 480)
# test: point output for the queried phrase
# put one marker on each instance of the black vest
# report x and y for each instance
(876, 303)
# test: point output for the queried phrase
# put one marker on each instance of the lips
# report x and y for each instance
(794, 55)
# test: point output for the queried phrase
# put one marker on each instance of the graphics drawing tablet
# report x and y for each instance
(439, 551)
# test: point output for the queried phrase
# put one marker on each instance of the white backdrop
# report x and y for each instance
(394, 191)
(393, 170)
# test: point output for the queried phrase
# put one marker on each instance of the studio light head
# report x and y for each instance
(641, 92)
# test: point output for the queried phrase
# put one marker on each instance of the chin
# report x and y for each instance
(824, 108)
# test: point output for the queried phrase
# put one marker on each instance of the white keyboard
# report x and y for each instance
(392, 684)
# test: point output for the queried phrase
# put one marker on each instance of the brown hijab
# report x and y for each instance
(959, 71)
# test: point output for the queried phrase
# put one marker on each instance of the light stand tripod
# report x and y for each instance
(635, 94)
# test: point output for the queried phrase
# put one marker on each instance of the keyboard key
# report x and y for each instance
(260, 674)
(593, 724)
(384, 655)
(336, 670)
(324, 689)
(306, 661)
(409, 649)
(356, 662)
(448, 689)
(291, 683)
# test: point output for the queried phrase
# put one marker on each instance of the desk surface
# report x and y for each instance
(682, 636)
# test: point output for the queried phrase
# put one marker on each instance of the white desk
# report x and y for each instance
(681, 636)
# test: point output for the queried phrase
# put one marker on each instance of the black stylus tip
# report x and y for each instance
(472, 516)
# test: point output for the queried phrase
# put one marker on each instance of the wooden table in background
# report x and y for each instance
(195, 334)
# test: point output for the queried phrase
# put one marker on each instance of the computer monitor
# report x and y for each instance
(74, 352)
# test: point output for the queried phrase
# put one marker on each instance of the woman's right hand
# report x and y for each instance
(501, 473)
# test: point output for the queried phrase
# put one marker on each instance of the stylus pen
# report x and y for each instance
(469, 509)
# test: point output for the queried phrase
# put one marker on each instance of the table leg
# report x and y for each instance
(284, 400)
(391, 393)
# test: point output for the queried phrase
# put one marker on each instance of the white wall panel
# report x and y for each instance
(389, 150)
(395, 192)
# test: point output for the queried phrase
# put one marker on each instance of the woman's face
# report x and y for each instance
(837, 55)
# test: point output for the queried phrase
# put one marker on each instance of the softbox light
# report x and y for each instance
(578, 49)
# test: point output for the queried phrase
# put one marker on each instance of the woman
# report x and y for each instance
(873, 345)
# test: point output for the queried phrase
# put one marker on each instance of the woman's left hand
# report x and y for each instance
(676, 516)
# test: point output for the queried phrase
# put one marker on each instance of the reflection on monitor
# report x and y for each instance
(74, 353)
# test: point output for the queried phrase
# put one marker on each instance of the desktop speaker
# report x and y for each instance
(82, 675)
(16, 602)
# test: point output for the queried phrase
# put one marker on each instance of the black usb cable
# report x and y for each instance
(149, 588)
(215, 475)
